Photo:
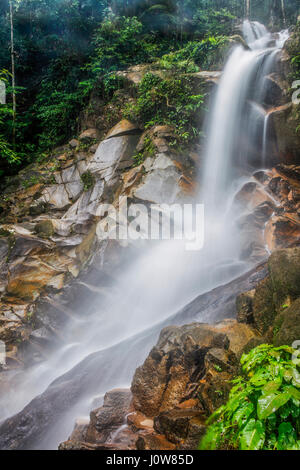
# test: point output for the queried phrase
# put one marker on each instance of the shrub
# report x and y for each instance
(195, 54)
(167, 101)
(263, 409)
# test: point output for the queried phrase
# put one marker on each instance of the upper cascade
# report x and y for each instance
(258, 37)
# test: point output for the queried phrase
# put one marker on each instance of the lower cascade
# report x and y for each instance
(161, 286)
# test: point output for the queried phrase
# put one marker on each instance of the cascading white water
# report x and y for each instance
(256, 34)
(164, 277)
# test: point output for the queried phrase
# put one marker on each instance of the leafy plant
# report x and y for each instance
(263, 409)
(147, 151)
(167, 101)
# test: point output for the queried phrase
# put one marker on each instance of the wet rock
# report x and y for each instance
(177, 363)
(111, 154)
(175, 424)
(105, 428)
(213, 390)
(30, 426)
(276, 90)
(285, 274)
(160, 186)
(153, 442)
(210, 76)
(139, 422)
(282, 231)
(45, 228)
(220, 360)
(238, 335)
(261, 176)
(264, 311)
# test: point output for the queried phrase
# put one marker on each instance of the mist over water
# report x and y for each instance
(163, 277)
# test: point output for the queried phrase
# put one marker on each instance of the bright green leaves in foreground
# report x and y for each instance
(263, 409)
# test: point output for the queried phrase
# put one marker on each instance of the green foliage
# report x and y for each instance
(263, 409)
(120, 42)
(293, 49)
(167, 101)
(195, 54)
(117, 45)
(212, 21)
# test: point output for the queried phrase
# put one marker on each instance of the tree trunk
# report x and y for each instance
(13, 73)
(283, 12)
(248, 6)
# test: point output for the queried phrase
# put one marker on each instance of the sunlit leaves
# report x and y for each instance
(271, 403)
(263, 409)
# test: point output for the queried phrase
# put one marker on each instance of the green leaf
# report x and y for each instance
(270, 387)
(243, 413)
(253, 436)
(267, 405)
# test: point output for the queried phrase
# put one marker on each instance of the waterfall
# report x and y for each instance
(104, 347)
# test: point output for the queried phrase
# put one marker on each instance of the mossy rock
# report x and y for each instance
(287, 325)
(284, 268)
(264, 312)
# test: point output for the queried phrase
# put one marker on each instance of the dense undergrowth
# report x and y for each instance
(167, 101)
(263, 409)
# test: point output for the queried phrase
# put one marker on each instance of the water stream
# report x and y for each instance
(104, 346)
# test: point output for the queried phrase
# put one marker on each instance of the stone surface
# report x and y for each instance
(285, 274)
(284, 121)
(178, 361)
(123, 127)
(112, 154)
(89, 135)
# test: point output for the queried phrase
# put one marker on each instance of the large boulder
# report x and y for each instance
(287, 325)
(284, 267)
(112, 154)
(180, 359)
(123, 127)
(275, 298)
